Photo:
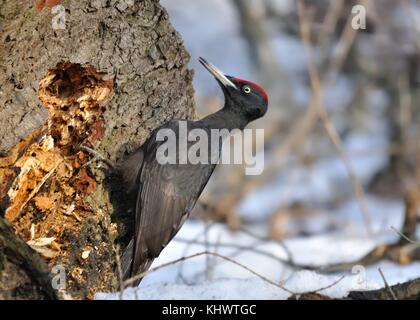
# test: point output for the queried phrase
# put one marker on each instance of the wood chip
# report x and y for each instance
(85, 254)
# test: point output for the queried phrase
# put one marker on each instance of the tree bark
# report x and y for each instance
(74, 209)
(24, 274)
(409, 290)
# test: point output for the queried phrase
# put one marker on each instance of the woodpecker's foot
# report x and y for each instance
(97, 156)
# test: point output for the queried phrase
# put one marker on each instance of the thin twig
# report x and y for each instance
(39, 185)
(330, 285)
(97, 155)
(143, 274)
(120, 273)
(404, 236)
(239, 247)
(206, 205)
(231, 255)
(181, 267)
(206, 247)
(279, 242)
(341, 50)
(216, 249)
(330, 21)
(411, 13)
(394, 297)
(322, 288)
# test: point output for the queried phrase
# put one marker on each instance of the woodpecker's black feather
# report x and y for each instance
(166, 193)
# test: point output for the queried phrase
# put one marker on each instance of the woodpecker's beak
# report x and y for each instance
(217, 74)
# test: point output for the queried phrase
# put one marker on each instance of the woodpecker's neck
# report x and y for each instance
(228, 117)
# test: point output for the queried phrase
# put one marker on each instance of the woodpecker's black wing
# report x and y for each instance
(130, 170)
(167, 194)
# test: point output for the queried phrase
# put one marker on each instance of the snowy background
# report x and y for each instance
(305, 215)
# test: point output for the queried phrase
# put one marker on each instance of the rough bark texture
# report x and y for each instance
(59, 203)
(24, 273)
(132, 40)
(409, 290)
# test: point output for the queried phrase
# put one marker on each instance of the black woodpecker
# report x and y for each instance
(166, 193)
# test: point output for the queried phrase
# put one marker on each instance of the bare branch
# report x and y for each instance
(143, 274)
(394, 297)
(239, 247)
(120, 273)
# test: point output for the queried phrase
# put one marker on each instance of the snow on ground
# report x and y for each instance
(217, 289)
(210, 277)
(244, 289)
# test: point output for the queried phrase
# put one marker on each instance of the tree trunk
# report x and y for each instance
(24, 274)
(64, 206)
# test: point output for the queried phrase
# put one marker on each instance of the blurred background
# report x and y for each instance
(342, 147)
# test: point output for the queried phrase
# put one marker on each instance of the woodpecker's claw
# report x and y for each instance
(99, 156)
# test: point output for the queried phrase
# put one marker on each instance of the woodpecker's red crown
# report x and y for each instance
(255, 86)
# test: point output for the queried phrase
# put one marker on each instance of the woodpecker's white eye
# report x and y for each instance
(246, 89)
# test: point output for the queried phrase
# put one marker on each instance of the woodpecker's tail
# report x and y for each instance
(127, 264)
(127, 260)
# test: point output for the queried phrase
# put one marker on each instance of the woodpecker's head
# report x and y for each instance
(246, 97)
